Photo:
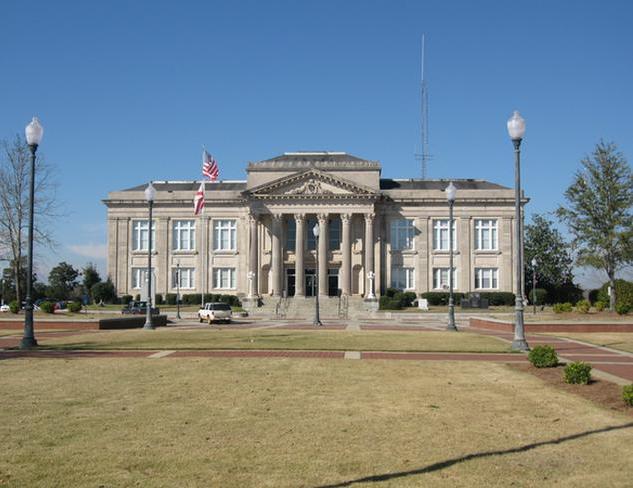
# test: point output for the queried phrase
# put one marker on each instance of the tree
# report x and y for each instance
(91, 277)
(104, 291)
(599, 212)
(62, 280)
(552, 253)
(15, 164)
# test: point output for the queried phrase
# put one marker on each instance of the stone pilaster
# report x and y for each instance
(252, 260)
(369, 249)
(276, 255)
(299, 255)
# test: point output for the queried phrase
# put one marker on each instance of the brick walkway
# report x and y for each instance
(617, 364)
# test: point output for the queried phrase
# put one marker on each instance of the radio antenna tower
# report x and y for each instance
(424, 157)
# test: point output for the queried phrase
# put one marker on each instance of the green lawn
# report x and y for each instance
(300, 423)
(615, 340)
(164, 338)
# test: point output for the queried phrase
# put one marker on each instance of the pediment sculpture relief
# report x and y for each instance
(310, 187)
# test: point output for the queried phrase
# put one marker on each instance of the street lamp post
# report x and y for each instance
(516, 130)
(534, 285)
(451, 193)
(317, 319)
(178, 290)
(150, 194)
(34, 132)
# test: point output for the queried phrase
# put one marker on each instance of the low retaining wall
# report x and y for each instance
(129, 322)
(491, 324)
(132, 322)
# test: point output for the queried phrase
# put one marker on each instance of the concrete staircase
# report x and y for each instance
(304, 308)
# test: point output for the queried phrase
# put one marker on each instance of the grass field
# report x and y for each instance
(616, 340)
(164, 338)
(300, 423)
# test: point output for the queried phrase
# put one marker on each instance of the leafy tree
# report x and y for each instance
(552, 253)
(599, 212)
(104, 291)
(15, 164)
(91, 277)
(62, 281)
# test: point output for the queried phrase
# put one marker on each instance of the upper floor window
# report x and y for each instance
(441, 237)
(486, 278)
(334, 233)
(402, 234)
(140, 235)
(184, 235)
(402, 278)
(291, 235)
(224, 235)
(486, 238)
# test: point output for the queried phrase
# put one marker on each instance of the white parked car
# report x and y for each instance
(215, 312)
(4, 308)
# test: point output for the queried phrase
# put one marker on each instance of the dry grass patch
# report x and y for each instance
(166, 338)
(282, 422)
(622, 341)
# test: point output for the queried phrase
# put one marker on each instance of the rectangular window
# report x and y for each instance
(140, 235)
(441, 237)
(403, 278)
(334, 233)
(224, 278)
(184, 235)
(440, 278)
(139, 277)
(187, 278)
(291, 235)
(486, 234)
(402, 234)
(486, 278)
(224, 235)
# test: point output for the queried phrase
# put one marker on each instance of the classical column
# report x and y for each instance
(276, 257)
(323, 258)
(252, 261)
(346, 248)
(299, 259)
(368, 245)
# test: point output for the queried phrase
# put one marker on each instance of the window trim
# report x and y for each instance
(396, 224)
(478, 277)
(409, 277)
(438, 270)
(136, 235)
(478, 230)
(217, 278)
(437, 236)
(177, 231)
(232, 236)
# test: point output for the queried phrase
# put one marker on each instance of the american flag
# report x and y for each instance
(209, 166)
(198, 200)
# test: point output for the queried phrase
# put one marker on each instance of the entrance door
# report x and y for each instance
(311, 283)
(290, 282)
(332, 282)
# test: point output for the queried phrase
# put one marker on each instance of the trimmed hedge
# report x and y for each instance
(497, 298)
(563, 307)
(441, 297)
(194, 299)
(47, 307)
(577, 373)
(583, 306)
(541, 296)
(543, 357)
(74, 307)
(627, 394)
(389, 303)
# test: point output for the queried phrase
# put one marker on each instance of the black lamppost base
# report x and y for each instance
(28, 343)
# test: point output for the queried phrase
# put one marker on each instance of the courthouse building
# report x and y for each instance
(255, 237)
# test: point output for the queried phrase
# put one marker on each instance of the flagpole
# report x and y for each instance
(205, 247)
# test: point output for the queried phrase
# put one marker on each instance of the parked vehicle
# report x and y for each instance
(215, 312)
(138, 308)
(4, 308)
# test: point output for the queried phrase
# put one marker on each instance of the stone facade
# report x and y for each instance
(261, 230)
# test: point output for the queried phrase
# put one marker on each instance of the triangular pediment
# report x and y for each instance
(312, 183)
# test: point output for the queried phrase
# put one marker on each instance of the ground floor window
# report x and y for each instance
(403, 278)
(139, 277)
(187, 278)
(224, 278)
(441, 279)
(486, 278)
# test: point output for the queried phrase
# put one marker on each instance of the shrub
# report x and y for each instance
(14, 306)
(622, 308)
(567, 292)
(159, 299)
(104, 291)
(125, 299)
(623, 293)
(441, 297)
(543, 357)
(47, 307)
(74, 307)
(577, 373)
(593, 296)
(389, 303)
(627, 394)
(137, 297)
(408, 297)
(563, 307)
(540, 294)
(170, 298)
(391, 292)
(599, 306)
(583, 306)
(497, 298)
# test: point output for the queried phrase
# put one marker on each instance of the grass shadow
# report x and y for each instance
(450, 462)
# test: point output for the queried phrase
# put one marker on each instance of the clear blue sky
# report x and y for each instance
(128, 91)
